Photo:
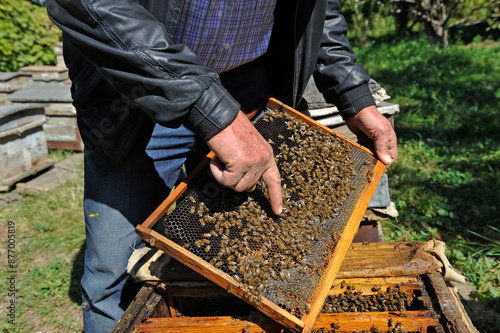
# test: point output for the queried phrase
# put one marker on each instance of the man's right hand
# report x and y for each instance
(243, 157)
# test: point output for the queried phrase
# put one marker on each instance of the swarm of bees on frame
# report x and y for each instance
(269, 255)
(351, 300)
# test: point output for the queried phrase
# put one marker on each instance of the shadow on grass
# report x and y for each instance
(75, 289)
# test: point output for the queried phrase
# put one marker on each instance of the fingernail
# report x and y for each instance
(280, 210)
(387, 159)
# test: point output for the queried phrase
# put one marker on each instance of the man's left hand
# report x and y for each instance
(370, 124)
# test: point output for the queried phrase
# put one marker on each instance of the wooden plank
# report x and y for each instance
(207, 325)
(217, 276)
(451, 316)
(384, 259)
(348, 322)
(351, 322)
(143, 306)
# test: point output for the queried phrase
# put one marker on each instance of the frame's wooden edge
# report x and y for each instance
(341, 248)
(218, 277)
(275, 104)
(348, 322)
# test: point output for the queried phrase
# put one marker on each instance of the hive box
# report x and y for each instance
(23, 147)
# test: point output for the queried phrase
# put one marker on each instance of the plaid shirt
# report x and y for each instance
(225, 34)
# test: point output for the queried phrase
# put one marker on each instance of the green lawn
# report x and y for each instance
(446, 182)
(50, 233)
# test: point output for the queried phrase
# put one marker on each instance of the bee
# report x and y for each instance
(207, 248)
(192, 199)
(375, 288)
(198, 243)
(193, 210)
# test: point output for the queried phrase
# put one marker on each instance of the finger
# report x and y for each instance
(221, 174)
(386, 148)
(271, 177)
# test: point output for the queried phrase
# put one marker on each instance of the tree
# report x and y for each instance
(439, 16)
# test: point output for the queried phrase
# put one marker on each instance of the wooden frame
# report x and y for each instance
(306, 322)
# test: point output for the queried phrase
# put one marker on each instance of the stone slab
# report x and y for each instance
(39, 92)
(17, 115)
(60, 174)
(10, 82)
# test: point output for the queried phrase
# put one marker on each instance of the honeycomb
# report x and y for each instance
(282, 258)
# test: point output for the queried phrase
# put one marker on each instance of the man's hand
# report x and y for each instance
(243, 157)
(370, 124)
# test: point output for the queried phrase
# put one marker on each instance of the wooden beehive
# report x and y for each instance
(297, 293)
(184, 301)
(23, 146)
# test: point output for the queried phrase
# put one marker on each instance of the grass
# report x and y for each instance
(446, 181)
(50, 234)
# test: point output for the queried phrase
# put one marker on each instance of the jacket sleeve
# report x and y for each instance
(342, 81)
(132, 49)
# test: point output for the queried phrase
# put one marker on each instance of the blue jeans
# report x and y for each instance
(114, 205)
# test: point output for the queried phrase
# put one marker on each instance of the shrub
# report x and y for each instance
(27, 36)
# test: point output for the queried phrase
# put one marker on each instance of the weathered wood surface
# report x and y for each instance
(14, 116)
(62, 133)
(451, 315)
(23, 145)
(347, 322)
(46, 73)
(384, 259)
(62, 173)
(144, 305)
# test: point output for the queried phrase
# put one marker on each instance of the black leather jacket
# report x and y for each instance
(124, 68)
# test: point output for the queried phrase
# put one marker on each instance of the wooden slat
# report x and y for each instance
(143, 306)
(453, 317)
(348, 322)
(384, 259)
